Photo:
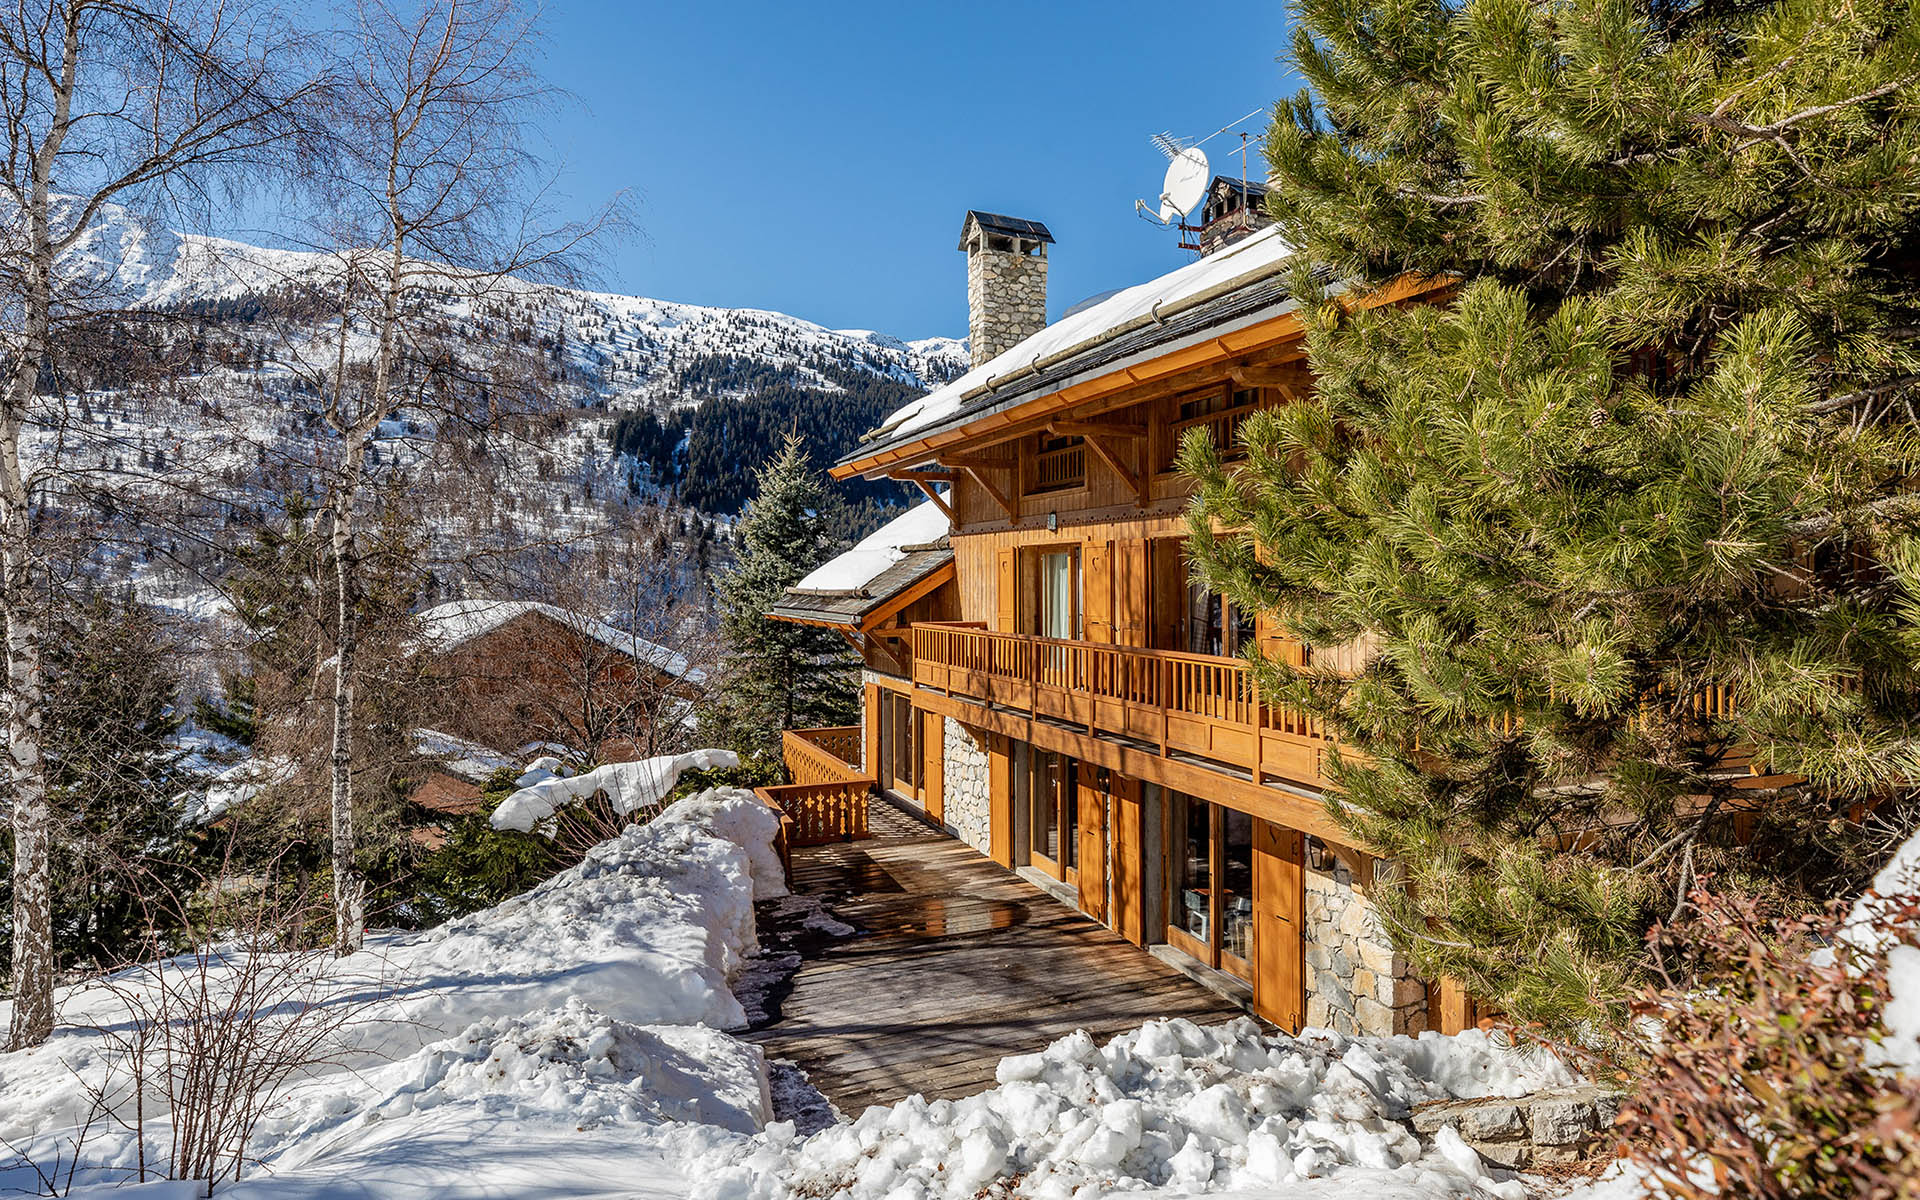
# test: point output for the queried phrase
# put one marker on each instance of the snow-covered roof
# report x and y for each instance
(460, 756)
(920, 527)
(459, 621)
(1263, 256)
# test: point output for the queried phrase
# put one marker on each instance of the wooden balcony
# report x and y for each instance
(822, 755)
(827, 800)
(1189, 705)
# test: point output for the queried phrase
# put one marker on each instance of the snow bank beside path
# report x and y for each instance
(1171, 1105)
(586, 1010)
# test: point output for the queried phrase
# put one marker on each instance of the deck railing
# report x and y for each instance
(813, 814)
(822, 755)
(1190, 704)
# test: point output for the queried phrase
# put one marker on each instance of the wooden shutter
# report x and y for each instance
(932, 759)
(1093, 844)
(1007, 596)
(871, 716)
(1279, 950)
(1129, 873)
(1132, 594)
(1000, 800)
(1096, 581)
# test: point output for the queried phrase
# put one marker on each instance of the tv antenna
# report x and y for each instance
(1185, 184)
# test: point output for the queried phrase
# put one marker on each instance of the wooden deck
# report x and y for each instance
(960, 963)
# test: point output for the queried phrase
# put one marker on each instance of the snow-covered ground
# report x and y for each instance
(572, 1042)
(544, 1047)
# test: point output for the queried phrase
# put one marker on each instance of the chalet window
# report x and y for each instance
(1056, 464)
(1210, 886)
(1216, 625)
(1221, 411)
(1059, 581)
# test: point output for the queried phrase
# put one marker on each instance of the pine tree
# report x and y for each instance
(777, 675)
(1632, 500)
(122, 862)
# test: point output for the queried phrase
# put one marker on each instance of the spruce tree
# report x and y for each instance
(777, 675)
(1621, 516)
(123, 863)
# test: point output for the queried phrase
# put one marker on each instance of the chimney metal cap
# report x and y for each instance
(1014, 227)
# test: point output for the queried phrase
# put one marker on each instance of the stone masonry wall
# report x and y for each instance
(1006, 300)
(964, 797)
(1356, 982)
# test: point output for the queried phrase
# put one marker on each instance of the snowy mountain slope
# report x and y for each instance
(621, 348)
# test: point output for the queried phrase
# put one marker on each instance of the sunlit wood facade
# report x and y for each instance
(1082, 715)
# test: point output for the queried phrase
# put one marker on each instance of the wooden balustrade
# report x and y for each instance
(814, 814)
(1063, 467)
(1190, 704)
(822, 755)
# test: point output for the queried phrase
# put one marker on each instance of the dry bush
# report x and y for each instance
(210, 1041)
(1756, 1068)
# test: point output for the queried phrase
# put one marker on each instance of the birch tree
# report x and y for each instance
(436, 200)
(102, 102)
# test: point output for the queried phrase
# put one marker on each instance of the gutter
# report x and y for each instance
(1157, 315)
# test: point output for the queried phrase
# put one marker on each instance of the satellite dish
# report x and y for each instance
(1186, 184)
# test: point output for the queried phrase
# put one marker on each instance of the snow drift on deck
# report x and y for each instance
(1171, 1105)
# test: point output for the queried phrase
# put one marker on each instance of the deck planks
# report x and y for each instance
(963, 963)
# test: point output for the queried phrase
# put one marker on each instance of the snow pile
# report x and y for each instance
(920, 525)
(1896, 886)
(545, 788)
(580, 1017)
(1170, 1105)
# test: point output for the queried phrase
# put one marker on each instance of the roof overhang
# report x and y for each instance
(869, 618)
(1025, 412)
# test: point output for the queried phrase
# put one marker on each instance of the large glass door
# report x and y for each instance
(1210, 883)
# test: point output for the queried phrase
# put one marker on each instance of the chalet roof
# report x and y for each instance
(1241, 281)
(461, 757)
(458, 622)
(846, 589)
(1019, 227)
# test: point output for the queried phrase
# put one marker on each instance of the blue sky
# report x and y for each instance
(817, 159)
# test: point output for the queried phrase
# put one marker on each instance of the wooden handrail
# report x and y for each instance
(816, 813)
(1194, 704)
(822, 755)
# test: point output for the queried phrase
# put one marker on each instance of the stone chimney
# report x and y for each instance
(1006, 281)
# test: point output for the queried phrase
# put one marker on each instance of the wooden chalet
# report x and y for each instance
(1054, 691)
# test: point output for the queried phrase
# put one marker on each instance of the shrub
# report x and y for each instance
(1760, 1063)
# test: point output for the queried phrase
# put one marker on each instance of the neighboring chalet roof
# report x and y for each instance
(1244, 281)
(461, 757)
(885, 571)
(1032, 231)
(460, 621)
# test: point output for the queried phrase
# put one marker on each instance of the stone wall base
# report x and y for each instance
(1560, 1126)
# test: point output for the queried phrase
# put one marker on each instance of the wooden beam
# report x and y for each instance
(909, 475)
(926, 486)
(978, 462)
(1280, 380)
(1295, 811)
(1135, 483)
(1112, 429)
(999, 497)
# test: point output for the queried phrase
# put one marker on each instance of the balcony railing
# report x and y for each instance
(822, 755)
(1188, 704)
